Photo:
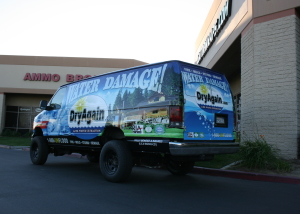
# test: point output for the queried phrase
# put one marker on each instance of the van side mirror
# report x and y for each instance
(43, 105)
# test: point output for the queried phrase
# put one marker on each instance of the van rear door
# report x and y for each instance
(208, 106)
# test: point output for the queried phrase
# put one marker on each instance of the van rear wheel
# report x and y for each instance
(39, 150)
(115, 161)
(180, 167)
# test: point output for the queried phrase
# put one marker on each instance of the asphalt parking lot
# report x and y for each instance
(74, 185)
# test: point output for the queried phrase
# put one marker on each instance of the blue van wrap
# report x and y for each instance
(208, 104)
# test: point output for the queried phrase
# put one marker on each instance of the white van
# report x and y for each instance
(164, 114)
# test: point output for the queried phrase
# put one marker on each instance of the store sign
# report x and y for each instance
(42, 77)
(53, 77)
(217, 27)
(24, 109)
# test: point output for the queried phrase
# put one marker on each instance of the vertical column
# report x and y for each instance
(247, 83)
(298, 78)
(2, 111)
(270, 82)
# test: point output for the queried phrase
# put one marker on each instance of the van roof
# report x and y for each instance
(141, 66)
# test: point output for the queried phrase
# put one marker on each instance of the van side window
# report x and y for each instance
(56, 101)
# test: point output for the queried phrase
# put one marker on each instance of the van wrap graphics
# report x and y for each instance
(88, 115)
(169, 114)
(206, 95)
(135, 101)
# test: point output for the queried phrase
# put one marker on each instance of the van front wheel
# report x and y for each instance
(180, 167)
(115, 161)
(38, 150)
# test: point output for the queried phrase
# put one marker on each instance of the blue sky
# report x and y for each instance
(150, 31)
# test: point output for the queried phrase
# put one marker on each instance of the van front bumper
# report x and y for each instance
(193, 149)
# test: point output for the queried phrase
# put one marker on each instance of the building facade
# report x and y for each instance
(256, 43)
(26, 80)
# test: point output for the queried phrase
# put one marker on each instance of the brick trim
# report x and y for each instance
(270, 17)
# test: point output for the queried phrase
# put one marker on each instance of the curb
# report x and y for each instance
(4, 146)
(246, 175)
(209, 171)
(14, 147)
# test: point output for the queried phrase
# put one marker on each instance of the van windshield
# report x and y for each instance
(57, 99)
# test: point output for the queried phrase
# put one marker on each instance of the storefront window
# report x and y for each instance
(11, 119)
(24, 120)
(20, 118)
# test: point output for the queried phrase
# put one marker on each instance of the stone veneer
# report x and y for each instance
(270, 79)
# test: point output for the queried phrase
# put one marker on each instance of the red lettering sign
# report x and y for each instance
(70, 78)
(55, 77)
(78, 77)
(36, 77)
(46, 77)
(27, 76)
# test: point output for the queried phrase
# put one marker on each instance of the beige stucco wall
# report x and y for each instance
(25, 99)
(241, 15)
(15, 91)
(12, 76)
(14, 68)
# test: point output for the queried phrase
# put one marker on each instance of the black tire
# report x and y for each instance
(116, 161)
(180, 167)
(39, 150)
(93, 158)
